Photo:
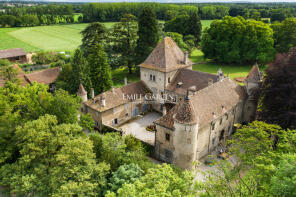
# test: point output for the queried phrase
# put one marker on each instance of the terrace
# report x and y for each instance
(137, 127)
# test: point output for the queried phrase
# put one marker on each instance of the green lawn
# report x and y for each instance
(54, 37)
(119, 74)
(232, 70)
(206, 23)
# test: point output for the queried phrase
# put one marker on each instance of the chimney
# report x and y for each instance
(92, 93)
(103, 99)
(113, 90)
(185, 57)
(164, 110)
(125, 81)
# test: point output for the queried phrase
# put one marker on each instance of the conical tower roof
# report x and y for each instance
(185, 113)
(167, 56)
(254, 74)
(81, 90)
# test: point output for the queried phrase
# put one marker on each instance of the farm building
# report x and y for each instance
(14, 55)
(191, 112)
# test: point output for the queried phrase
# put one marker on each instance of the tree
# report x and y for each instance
(8, 72)
(278, 100)
(265, 161)
(55, 160)
(93, 34)
(236, 40)
(22, 104)
(124, 40)
(79, 72)
(100, 71)
(148, 34)
(160, 181)
(284, 35)
(185, 25)
(125, 174)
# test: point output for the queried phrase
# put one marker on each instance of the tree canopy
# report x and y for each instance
(236, 40)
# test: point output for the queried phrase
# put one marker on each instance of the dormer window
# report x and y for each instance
(179, 84)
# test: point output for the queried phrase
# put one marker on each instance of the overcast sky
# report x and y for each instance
(176, 1)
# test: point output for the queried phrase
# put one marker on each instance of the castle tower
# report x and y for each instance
(252, 87)
(185, 135)
(82, 93)
(253, 82)
(220, 74)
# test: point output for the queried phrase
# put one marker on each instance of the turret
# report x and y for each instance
(185, 135)
(220, 75)
(82, 93)
(253, 82)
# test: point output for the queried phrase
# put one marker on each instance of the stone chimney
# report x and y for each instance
(125, 81)
(113, 91)
(220, 75)
(164, 110)
(92, 93)
(103, 100)
(186, 57)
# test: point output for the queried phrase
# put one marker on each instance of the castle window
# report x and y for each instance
(226, 116)
(175, 99)
(114, 110)
(213, 141)
(126, 106)
(221, 121)
(167, 137)
(126, 114)
(97, 113)
(188, 141)
(169, 80)
(153, 77)
(150, 77)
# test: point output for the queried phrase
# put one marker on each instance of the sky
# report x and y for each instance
(177, 1)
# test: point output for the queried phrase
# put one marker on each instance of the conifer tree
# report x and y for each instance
(100, 71)
(148, 34)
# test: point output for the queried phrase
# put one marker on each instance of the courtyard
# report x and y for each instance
(137, 127)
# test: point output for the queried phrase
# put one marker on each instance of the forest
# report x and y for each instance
(22, 16)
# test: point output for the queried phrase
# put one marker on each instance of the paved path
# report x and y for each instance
(137, 127)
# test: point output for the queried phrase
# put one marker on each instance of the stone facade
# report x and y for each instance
(199, 109)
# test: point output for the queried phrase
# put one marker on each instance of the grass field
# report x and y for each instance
(54, 37)
(231, 70)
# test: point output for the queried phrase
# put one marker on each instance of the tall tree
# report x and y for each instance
(55, 160)
(100, 71)
(284, 34)
(148, 34)
(93, 34)
(278, 102)
(236, 40)
(194, 26)
(124, 40)
(74, 74)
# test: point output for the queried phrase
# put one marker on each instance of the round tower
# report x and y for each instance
(185, 135)
(82, 93)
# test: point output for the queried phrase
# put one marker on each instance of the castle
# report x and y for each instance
(198, 110)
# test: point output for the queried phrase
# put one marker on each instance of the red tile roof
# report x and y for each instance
(46, 76)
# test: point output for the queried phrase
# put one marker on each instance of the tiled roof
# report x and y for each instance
(118, 96)
(81, 90)
(254, 74)
(215, 99)
(190, 78)
(12, 53)
(20, 76)
(167, 56)
(46, 76)
(185, 113)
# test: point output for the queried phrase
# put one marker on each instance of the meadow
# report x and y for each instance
(49, 38)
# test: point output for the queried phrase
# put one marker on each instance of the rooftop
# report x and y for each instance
(8, 53)
(167, 56)
(46, 76)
